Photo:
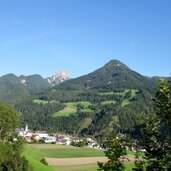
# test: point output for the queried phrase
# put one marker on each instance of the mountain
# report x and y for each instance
(113, 76)
(111, 99)
(58, 78)
(11, 90)
(34, 82)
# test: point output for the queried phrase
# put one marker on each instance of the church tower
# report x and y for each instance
(26, 128)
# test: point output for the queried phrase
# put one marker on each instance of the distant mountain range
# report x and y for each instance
(108, 99)
(114, 74)
(13, 88)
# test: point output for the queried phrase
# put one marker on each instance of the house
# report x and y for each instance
(63, 139)
(39, 135)
(49, 139)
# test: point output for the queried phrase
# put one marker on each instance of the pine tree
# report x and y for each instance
(156, 136)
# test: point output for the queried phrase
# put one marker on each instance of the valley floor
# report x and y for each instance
(67, 158)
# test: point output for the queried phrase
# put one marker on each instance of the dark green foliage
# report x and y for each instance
(12, 90)
(113, 74)
(11, 158)
(163, 107)
(35, 82)
(8, 122)
(79, 144)
(43, 160)
(155, 137)
(109, 90)
(115, 153)
(38, 115)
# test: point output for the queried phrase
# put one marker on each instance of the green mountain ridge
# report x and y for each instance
(113, 75)
(117, 98)
(11, 90)
(35, 82)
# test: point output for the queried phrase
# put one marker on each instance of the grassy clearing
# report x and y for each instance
(34, 157)
(106, 93)
(71, 108)
(133, 93)
(49, 146)
(72, 153)
(68, 110)
(108, 102)
(40, 101)
(63, 151)
(35, 152)
(125, 102)
(121, 93)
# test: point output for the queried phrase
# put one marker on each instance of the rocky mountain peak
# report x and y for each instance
(58, 77)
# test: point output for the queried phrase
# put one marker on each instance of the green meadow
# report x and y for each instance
(35, 152)
(71, 108)
(107, 102)
(63, 151)
(34, 156)
(38, 101)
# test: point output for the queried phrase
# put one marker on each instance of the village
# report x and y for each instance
(56, 138)
(65, 139)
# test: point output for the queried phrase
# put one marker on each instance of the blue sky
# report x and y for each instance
(79, 36)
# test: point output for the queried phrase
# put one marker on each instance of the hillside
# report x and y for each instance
(11, 90)
(112, 76)
(34, 82)
(112, 98)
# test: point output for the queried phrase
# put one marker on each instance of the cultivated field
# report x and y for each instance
(66, 158)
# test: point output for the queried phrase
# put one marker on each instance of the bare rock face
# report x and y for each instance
(58, 78)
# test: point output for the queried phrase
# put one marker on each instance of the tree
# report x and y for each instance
(163, 107)
(8, 122)
(155, 137)
(11, 146)
(115, 153)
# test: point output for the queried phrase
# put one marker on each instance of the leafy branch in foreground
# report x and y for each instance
(116, 154)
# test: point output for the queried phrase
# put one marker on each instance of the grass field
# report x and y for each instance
(62, 151)
(125, 102)
(108, 102)
(40, 101)
(74, 152)
(106, 93)
(35, 152)
(71, 108)
(34, 157)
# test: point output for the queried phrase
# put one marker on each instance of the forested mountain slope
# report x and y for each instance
(113, 75)
(11, 89)
(112, 98)
(35, 81)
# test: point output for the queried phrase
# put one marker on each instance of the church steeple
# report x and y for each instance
(26, 128)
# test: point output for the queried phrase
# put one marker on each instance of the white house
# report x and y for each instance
(49, 139)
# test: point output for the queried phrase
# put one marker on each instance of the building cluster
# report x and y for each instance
(43, 136)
